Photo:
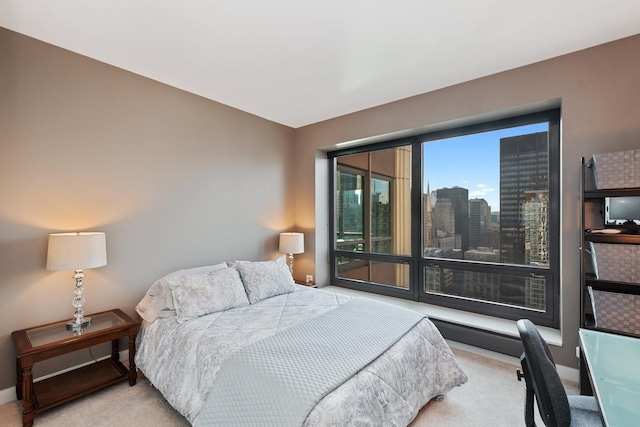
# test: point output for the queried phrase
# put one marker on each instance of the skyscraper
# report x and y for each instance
(536, 221)
(427, 223)
(524, 168)
(479, 221)
(444, 218)
(459, 198)
(349, 209)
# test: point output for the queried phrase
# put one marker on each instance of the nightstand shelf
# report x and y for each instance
(70, 385)
(44, 342)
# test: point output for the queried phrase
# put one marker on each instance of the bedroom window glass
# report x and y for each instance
(372, 218)
(377, 272)
(350, 205)
(372, 202)
(490, 204)
(481, 231)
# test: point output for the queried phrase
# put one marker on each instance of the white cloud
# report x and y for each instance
(481, 191)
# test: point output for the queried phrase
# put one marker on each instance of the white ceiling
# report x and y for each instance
(297, 62)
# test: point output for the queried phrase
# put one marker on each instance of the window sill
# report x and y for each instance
(477, 321)
(458, 317)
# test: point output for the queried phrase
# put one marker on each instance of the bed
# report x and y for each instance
(198, 322)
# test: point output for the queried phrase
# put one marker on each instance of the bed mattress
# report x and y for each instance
(182, 359)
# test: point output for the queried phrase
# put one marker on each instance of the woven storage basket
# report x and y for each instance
(617, 312)
(617, 263)
(618, 169)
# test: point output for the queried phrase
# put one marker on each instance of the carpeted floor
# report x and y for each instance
(492, 397)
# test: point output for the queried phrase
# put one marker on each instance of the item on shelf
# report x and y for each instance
(622, 210)
(591, 265)
(617, 311)
(605, 231)
(617, 263)
(618, 169)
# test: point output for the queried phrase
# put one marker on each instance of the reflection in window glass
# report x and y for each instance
(350, 211)
(373, 202)
(383, 273)
(520, 291)
(380, 216)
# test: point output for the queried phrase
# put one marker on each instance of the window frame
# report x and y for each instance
(417, 262)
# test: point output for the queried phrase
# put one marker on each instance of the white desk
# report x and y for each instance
(613, 363)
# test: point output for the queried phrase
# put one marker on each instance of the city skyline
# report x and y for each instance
(475, 165)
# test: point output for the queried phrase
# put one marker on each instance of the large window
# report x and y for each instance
(466, 218)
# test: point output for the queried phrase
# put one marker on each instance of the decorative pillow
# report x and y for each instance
(158, 301)
(197, 295)
(266, 279)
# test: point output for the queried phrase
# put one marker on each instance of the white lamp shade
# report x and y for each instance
(291, 243)
(76, 251)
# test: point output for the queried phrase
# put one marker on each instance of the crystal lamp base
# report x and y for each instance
(73, 326)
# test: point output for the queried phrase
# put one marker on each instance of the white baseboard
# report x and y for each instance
(569, 374)
(9, 394)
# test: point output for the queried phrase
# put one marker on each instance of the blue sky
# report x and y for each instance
(471, 162)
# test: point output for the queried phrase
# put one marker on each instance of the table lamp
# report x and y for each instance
(77, 251)
(291, 243)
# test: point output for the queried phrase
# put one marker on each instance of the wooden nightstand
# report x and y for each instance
(47, 341)
(303, 283)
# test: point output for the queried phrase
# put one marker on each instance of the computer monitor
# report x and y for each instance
(622, 210)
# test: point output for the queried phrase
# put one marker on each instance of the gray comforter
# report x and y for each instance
(182, 361)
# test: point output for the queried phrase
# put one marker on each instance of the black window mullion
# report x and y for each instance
(417, 216)
(366, 201)
(333, 170)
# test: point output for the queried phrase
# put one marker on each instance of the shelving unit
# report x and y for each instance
(593, 218)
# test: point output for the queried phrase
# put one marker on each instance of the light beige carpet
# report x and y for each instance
(492, 397)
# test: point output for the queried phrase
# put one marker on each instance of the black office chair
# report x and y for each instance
(542, 381)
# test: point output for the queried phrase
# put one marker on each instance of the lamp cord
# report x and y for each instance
(92, 356)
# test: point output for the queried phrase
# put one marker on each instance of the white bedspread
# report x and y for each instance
(182, 360)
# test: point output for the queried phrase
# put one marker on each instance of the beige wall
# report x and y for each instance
(176, 180)
(173, 179)
(599, 91)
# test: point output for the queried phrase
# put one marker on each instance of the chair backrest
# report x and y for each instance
(543, 376)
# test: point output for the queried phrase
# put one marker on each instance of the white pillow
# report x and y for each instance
(158, 301)
(197, 295)
(264, 279)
